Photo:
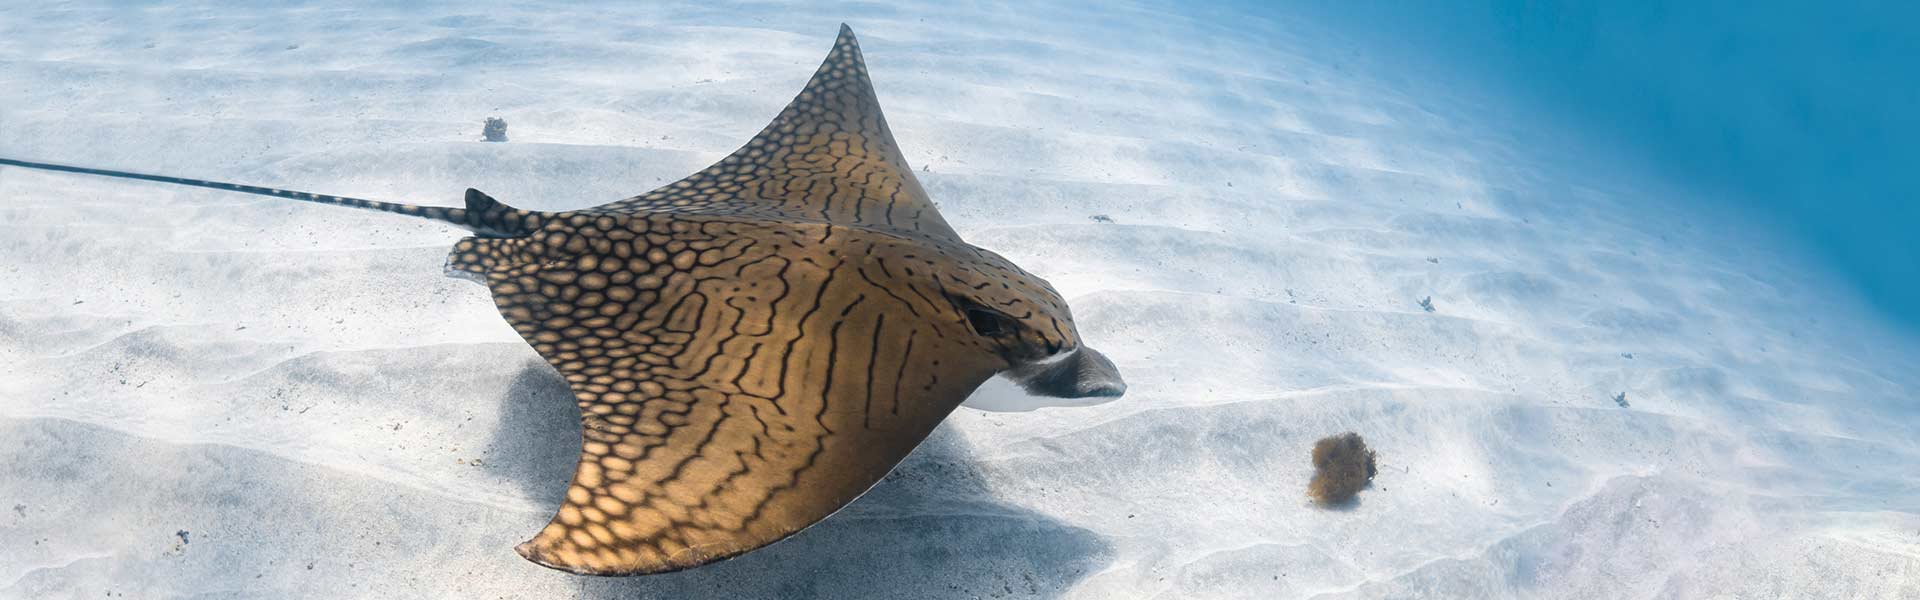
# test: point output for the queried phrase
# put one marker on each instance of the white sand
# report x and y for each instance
(301, 391)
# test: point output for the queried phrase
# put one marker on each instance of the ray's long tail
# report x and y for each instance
(483, 215)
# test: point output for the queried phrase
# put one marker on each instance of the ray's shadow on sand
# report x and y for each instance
(931, 529)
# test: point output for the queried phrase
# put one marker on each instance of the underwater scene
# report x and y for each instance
(981, 300)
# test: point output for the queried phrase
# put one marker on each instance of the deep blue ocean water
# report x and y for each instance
(1797, 114)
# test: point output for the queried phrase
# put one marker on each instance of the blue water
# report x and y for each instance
(1798, 114)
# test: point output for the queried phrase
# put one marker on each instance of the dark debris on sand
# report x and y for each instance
(495, 130)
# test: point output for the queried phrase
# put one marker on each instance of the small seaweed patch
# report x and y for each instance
(1342, 466)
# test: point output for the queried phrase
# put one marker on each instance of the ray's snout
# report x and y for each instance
(1081, 373)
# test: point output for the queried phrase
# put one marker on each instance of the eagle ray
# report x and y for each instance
(639, 305)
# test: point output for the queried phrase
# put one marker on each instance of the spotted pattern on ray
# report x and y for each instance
(755, 346)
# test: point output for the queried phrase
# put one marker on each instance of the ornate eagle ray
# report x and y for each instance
(756, 345)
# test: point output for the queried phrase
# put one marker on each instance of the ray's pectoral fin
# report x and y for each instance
(829, 156)
(473, 258)
(726, 406)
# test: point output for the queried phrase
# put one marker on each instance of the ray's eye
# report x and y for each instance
(989, 323)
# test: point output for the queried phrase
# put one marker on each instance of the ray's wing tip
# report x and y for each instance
(534, 552)
(846, 38)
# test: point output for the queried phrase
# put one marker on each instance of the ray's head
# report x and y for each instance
(1025, 322)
